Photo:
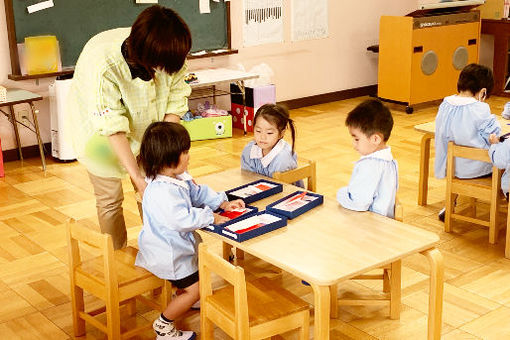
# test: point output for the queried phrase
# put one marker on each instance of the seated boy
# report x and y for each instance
(500, 157)
(374, 180)
(466, 120)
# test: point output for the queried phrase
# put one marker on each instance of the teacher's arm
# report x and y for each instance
(173, 118)
(120, 146)
(177, 104)
(112, 121)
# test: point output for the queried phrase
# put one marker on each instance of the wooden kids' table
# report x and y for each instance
(329, 244)
(429, 130)
(18, 96)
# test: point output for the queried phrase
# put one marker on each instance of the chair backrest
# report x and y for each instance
(77, 234)
(208, 263)
(476, 154)
(306, 170)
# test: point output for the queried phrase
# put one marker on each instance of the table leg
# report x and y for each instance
(16, 133)
(333, 291)
(436, 293)
(240, 84)
(424, 168)
(507, 244)
(395, 289)
(227, 250)
(321, 311)
(39, 140)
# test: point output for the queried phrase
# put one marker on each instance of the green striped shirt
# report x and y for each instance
(104, 99)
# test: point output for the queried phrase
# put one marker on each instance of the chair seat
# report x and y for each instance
(471, 185)
(480, 188)
(127, 272)
(481, 181)
(266, 301)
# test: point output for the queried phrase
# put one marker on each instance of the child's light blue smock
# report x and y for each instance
(464, 121)
(500, 157)
(373, 185)
(279, 159)
(172, 210)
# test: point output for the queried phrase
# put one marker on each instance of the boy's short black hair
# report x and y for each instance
(475, 77)
(371, 117)
(162, 145)
(159, 39)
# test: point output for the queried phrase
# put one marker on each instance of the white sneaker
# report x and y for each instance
(167, 331)
(506, 111)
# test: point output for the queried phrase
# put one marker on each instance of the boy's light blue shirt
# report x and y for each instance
(500, 157)
(172, 210)
(464, 121)
(373, 185)
(279, 159)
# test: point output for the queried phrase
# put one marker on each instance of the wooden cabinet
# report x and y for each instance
(420, 58)
(500, 29)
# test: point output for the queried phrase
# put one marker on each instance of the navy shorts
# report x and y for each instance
(185, 282)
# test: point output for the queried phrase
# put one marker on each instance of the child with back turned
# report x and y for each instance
(374, 181)
(466, 120)
(499, 154)
(173, 207)
(268, 152)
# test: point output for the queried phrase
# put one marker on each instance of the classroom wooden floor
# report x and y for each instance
(34, 284)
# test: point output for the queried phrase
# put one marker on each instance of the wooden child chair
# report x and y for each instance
(507, 244)
(391, 277)
(112, 277)
(246, 310)
(486, 189)
(306, 170)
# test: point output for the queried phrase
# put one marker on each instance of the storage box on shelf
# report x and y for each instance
(255, 98)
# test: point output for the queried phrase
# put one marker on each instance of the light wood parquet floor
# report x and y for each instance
(34, 283)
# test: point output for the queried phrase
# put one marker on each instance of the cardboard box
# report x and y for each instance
(255, 98)
(492, 9)
(209, 128)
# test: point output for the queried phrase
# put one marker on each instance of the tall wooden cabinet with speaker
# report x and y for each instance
(421, 55)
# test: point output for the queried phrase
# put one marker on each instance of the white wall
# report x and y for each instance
(301, 69)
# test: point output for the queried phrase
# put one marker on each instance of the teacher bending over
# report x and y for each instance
(125, 79)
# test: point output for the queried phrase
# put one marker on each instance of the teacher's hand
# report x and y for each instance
(140, 184)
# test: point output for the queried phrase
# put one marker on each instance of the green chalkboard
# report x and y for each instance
(74, 22)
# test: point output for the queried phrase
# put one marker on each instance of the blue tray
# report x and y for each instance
(217, 227)
(282, 222)
(258, 196)
(295, 213)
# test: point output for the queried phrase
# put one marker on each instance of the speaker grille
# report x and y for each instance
(429, 63)
(460, 58)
